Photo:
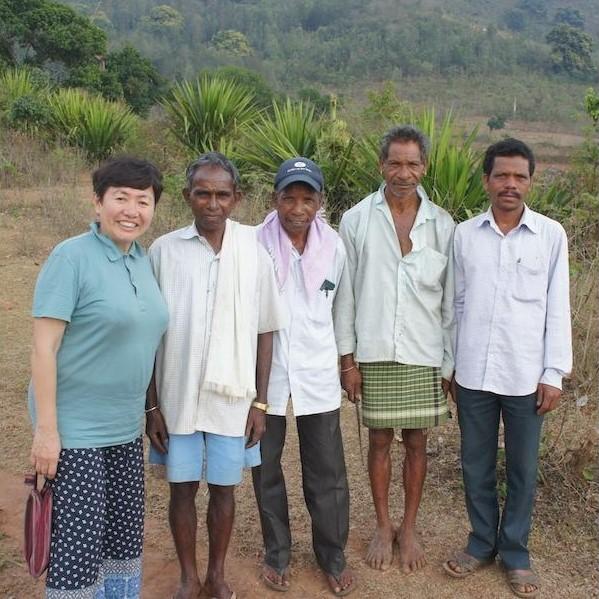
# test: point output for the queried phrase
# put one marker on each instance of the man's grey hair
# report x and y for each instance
(402, 134)
(212, 159)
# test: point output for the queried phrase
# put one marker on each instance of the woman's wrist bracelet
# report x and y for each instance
(156, 407)
(348, 369)
(260, 405)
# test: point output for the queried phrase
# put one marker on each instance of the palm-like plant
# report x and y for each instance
(291, 130)
(209, 114)
(16, 83)
(92, 123)
(454, 174)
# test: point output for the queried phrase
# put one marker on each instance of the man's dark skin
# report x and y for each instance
(212, 197)
(297, 206)
(402, 170)
(507, 186)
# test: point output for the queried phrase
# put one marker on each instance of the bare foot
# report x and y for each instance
(380, 551)
(274, 580)
(218, 588)
(411, 554)
(343, 584)
(188, 590)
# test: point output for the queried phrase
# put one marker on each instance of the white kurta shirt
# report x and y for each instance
(397, 308)
(304, 362)
(512, 305)
(186, 268)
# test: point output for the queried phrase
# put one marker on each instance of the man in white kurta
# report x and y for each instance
(206, 405)
(309, 260)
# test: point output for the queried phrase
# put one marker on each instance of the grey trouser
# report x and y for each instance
(325, 490)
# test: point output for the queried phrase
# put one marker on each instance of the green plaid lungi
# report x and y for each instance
(402, 396)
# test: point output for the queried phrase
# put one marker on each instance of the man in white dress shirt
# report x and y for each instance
(206, 405)
(309, 260)
(513, 349)
(395, 319)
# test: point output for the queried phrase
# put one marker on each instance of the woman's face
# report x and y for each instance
(125, 214)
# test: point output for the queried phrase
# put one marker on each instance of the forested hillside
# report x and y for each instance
(526, 59)
(534, 49)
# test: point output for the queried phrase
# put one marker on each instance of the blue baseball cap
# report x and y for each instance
(299, 170)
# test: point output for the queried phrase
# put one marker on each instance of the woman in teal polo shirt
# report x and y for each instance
(98, 319)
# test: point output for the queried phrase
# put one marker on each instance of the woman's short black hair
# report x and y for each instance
(127, 171)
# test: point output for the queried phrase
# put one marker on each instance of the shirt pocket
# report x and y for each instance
(431, 269)
(320, 308)
(530, 280)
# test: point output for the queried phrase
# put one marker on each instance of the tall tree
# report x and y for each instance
(42, 31)
(140, 81)
(571, 50)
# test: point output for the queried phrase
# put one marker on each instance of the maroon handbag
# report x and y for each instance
(38, 526)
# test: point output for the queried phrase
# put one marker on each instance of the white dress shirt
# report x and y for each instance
(304, 361)
(512, 305)
(186, 268)
(397, 308)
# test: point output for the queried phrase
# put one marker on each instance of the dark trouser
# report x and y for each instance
(325, 490)
(478, 413)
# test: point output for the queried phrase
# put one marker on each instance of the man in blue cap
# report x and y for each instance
(309, 259)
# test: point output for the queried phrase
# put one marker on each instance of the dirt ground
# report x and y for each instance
(563, 540)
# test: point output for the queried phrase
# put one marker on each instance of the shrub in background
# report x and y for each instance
(209, 113)
(95, 125)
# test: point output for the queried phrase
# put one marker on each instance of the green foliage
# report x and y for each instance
(312, 96)
(515, 19)
(29, 113)
(95, 125)
(232, 42)
(209, 113)
(384, 106)
(569, 16)
(16, 83)
(536, 8)
(251, 80)
(291, 130)
(591, 105)
(46, 30)
(496, 122)
(94, 79)
(572, 50)
(454, 174)
(163, 19)
(140, 82)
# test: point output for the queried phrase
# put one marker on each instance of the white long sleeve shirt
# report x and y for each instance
(397, 308)
(512, 304)
(304, 361)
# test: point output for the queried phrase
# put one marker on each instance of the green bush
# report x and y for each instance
(210, 113)
(18, 82)
(29, 113)
(95, 125)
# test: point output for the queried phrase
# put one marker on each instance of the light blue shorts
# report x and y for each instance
(217, 459)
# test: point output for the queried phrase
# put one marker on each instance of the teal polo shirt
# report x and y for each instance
(115, 318)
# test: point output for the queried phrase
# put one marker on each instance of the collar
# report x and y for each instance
(112, 251)
(527, 219)
(426, 211)
(189, 232)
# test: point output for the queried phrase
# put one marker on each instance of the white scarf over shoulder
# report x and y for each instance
(230, 368)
